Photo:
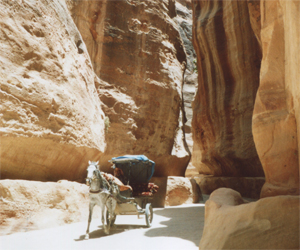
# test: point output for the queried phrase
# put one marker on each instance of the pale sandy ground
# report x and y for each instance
(173, 228)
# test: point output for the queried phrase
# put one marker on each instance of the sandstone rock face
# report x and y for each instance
(255, 18)
(51, 119)
(175, 190)
(184, 19)
(228, 58)
(269, 223)
(276, 118)
(248, 187)
(31, 205)
(138, 56)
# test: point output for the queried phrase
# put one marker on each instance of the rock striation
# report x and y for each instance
(51, 119)
(137, 54)
(228, 60)
(269, 223)
(184, 19)
(258, 43)
(276, 118)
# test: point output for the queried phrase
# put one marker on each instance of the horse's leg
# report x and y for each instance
(111, 212)
(108, 206)
(91, 207)
(113, 208)
(106, 229)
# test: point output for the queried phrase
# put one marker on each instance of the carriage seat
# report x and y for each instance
(140, 189)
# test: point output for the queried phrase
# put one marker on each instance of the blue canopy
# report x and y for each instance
(130, 158)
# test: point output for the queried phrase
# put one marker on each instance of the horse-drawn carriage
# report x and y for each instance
(128, 192)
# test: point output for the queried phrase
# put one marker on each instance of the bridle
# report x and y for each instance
(112, 188)
(97, 177)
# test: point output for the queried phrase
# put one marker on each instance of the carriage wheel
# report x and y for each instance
(149, 214)
(109, 219)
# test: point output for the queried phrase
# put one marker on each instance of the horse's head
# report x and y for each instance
(91, 171)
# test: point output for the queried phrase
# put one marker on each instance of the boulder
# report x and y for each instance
(175, 190)
(276, 116)
(50, 115)
(228, 60)
(269, 223)
(138, 56)
(31, 205)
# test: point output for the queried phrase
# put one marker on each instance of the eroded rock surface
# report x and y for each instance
(249, 187)
(175, 190)
(184, 19)
(276, 118)
(51, 119)
(269, 223)
(228, 58)
(138, 56)
(31, 205)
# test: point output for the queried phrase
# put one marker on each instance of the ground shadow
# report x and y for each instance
(99, 233)
(183, 222)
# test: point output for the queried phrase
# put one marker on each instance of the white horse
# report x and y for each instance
(101, 195)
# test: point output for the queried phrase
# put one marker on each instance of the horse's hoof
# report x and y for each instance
(106, 231)
(86, 237)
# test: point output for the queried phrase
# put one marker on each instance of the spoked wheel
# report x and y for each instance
(149, 214)
(109, 218)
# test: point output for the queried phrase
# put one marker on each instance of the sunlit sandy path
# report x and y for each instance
(173, 228)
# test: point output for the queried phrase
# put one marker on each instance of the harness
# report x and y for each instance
(118, 197)
(95, 192)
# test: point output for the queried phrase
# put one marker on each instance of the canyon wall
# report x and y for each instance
(184, 19)
(233, 135)
(90, 80)
(138, 56)
(51, 118)
(276, 118)
(266, 32)
(228, 60)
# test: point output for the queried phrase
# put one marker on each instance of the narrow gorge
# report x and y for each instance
(207, 89)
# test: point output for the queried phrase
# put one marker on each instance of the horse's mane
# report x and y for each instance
(105, 183)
